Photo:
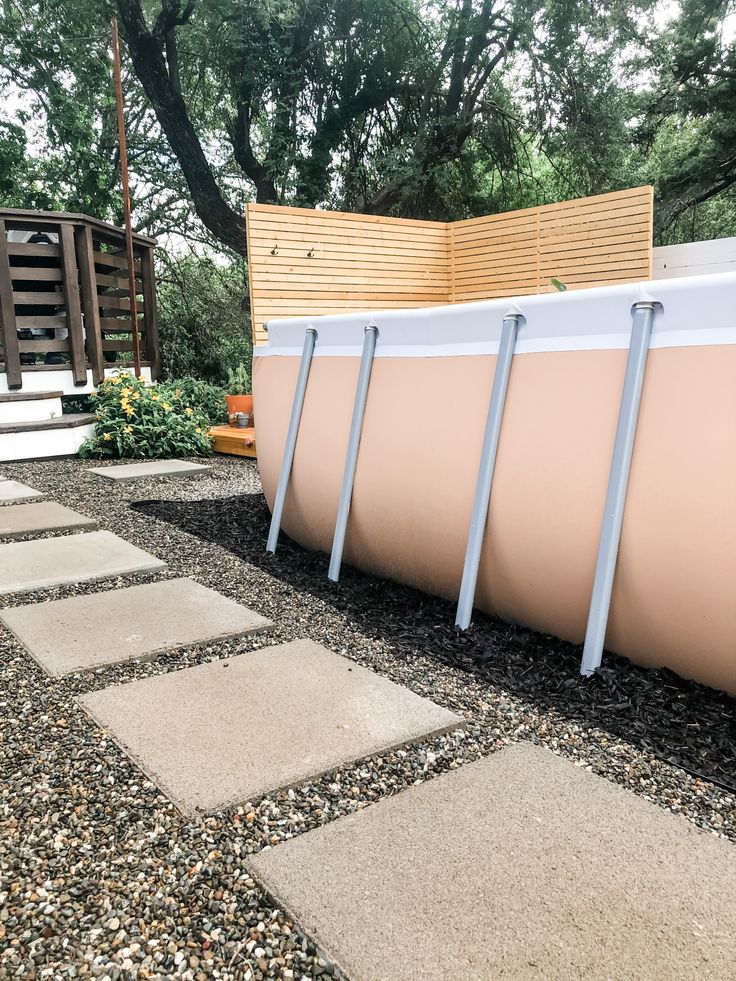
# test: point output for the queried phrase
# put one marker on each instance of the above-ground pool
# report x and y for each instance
(674, 593)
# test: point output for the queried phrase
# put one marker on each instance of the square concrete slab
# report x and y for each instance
(122, 624)
(28, 519)
(230, 731)
(13, 492)
(521, 865)
(73, 559)
(153, 468)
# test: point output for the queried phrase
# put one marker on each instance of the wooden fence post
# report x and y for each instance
(7, 316)
(70, 279)
(150, 313)
(90, 302)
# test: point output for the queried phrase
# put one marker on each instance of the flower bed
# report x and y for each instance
(135, 419)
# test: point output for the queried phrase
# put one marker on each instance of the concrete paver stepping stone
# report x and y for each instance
(227, 732)
(152, 468)
(73, 559)
(27, 519)
(85, 632)
(13, 492)
(520, 865)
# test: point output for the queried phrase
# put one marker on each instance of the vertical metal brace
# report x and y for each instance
(351, 457)
(618, 481)
(291, 436)
(481, 501)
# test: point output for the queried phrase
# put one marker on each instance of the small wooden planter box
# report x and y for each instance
(237, 442)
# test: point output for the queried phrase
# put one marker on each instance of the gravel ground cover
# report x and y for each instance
(101, 876)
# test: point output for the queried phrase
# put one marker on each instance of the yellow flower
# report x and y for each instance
(154, 397)
(141, 378)
(129, 411)
(177, 393)
(166, 406)
(125, 392)
(107, 437)
(135, 396)
(188, 411)
(128, 429)
(93, 393)
(198, 429)
(115, 381)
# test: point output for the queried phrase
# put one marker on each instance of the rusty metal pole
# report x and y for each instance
(126, 197)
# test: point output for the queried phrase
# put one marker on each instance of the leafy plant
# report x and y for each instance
(204, 399)
(238, 380)
(134, 419)
(558, 285)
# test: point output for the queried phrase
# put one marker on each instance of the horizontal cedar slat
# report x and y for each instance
(349, 216)
(119, 281)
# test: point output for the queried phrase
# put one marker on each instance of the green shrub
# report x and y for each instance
(206, 400)
(133, 419)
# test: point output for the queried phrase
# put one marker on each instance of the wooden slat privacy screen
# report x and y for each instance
(304, 262)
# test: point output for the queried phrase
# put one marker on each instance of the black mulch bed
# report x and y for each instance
(681, 722)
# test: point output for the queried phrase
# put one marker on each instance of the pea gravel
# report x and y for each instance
(99, 874)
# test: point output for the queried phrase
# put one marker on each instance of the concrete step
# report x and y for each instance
(521, 865)
(230, 731)
(35, 439)
(29, 406)
(85, 632)
(13, 492)
(37, 519)
(49, 562)
(149, 468)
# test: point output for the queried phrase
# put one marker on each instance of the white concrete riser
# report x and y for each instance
(57, 381)
(44, 442)
(31, 410)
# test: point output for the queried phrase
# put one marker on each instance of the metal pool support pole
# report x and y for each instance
(481, 501)
(618, 480)
(291, 435)
(351, 457)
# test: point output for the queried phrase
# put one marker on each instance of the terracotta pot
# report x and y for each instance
(239, 403)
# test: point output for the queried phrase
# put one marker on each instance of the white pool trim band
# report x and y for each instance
(691, 311)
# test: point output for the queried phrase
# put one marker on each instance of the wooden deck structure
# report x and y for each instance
(304, 262)
(64, 294)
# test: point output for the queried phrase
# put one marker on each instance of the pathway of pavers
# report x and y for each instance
(13, 492)
(30, 519)
(87, 557)
(89, 631)
(521, 865)
(229, 731)
(152, 468)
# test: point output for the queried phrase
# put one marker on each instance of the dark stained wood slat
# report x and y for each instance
(49, 298)
(88, 281)
(41, 322)
(117, 345)
(116, 323)
(30, 273)
(42, 345)
(69, 421)
(150, 312)
(116, 261)
(8, 323)
(73, 305)
(31, 248)
(117, 281)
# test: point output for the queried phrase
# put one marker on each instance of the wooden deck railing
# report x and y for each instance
(65, 298)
